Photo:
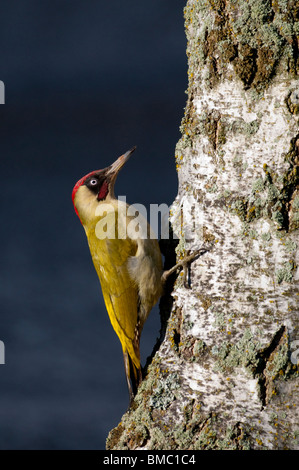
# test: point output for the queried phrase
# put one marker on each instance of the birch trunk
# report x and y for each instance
(225, 375)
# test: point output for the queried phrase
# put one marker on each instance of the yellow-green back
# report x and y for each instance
(110, 257)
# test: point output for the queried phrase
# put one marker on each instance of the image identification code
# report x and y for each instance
(150, 459)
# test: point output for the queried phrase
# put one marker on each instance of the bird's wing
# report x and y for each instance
(120, 293)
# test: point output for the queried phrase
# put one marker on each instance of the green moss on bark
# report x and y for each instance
(252, 35)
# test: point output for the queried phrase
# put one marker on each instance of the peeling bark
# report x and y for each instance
(225, 372)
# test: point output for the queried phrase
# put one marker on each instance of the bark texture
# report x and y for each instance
(225, 374)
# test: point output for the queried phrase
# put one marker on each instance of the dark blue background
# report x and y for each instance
(84, 81)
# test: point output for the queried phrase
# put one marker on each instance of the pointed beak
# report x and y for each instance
(113, 169)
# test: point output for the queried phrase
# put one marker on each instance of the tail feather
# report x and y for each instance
(133, 375)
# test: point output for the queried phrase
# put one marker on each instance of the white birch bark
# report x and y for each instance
(226, 373)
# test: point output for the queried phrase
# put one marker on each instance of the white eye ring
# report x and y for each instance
(93, 182)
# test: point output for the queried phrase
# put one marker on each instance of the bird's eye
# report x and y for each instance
(93, 182)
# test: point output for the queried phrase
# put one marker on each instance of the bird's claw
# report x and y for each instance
(184, 263)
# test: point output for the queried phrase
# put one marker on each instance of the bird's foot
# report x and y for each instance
(184, 264)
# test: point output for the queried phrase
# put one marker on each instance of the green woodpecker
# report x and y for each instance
(129, 267)
(128, 262)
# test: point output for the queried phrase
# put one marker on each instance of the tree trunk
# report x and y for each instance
(225, 375)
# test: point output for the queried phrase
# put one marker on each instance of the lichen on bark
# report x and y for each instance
(223, 375)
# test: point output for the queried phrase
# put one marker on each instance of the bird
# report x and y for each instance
(128, 262)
